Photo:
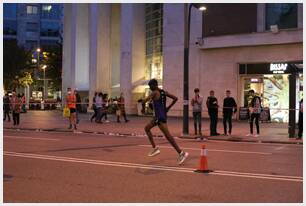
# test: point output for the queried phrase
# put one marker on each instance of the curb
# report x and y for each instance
(231, 139)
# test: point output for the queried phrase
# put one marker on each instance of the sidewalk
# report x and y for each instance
(54, 121)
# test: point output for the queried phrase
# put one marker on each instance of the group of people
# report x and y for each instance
(100, 106)
(101, 103)
(15, 104)
(229, 108)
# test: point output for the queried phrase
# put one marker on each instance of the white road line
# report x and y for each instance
(152, 167)
(36, 138)
(212, 150)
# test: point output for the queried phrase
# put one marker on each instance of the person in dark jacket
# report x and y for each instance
(300, 133)
(6, 107)
(212, 105)
(78, 105)
(255, 110)
(229, 107)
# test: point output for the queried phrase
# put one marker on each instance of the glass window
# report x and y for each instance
(10, 10)
(32, 10)
(30, 44)
(153, 20)
(49, 29)
(10, 27)
(32, 26)
(283, 15)
(50, 11)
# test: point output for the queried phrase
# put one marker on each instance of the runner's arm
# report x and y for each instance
(174, 100)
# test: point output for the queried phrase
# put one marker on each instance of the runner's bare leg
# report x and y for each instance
(164, 128)
(148, 128)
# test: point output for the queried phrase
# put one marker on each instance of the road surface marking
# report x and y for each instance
(152, 167)
(212, 150)
(36, 138)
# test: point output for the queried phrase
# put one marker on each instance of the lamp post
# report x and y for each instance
(44, 68)
(38, 56)
(187, 11)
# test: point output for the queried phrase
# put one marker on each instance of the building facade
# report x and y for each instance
(33, 25)
(117, 48)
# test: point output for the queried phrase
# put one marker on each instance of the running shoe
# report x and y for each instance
(248, 135)
(182, 157)
(154, 152)
(256, 135)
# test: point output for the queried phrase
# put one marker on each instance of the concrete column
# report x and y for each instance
(261, 15)
(300, 15)
(68, 56)
(173, 53)
(132, 60)
(81, 61)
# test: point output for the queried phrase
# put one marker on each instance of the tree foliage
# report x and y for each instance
(16, 60)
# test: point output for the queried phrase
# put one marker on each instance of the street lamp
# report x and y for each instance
(186, 64)
(44, 68)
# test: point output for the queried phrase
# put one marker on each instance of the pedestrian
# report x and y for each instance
(23, 102)
(212, 105)
(78, 105)
(255, 109)
(105, 104)
(300, 133)
(16, 108)
(196, 104)
(71, 103)
(122, 108)
(229, 108)
(6, 107)
(94, 107)
(98, 103)
(159, 96)
(117, 109)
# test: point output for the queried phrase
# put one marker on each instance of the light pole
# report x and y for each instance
(44, 68)
(38, 56)
(187, 12)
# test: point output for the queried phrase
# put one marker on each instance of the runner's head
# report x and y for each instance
(153, 84)
(69, 90)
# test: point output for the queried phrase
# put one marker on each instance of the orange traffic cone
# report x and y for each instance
(203, 161)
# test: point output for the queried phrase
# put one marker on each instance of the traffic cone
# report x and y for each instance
(203, 168)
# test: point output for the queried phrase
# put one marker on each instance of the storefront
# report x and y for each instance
(280, 86)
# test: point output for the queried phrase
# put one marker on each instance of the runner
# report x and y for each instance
(71, 100)
(158, 96)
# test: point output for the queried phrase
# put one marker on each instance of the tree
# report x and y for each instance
(52, 58)
(16, 60)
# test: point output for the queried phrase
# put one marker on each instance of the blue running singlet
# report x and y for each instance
(160, 108)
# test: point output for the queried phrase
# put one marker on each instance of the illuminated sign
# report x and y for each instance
(254, 80)
(278, 68)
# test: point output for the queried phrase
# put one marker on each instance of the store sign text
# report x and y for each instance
(278, 68)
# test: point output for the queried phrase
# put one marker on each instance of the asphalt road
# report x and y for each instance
(43, 167)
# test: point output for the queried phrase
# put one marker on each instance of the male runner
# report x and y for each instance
(158, 96)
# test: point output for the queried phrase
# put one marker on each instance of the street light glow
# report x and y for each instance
(44, 67)
(202, 8)
(38, 49)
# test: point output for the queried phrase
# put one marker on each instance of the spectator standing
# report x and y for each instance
(78, 105)
(94, 107)
(71, 103)
(212, 105)
(122, 108)
(229, 107)
(16, 108)
(23, 103)
(255, 110)
(98, 103)
(300, 134)
(196, 104)
(6, 107)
